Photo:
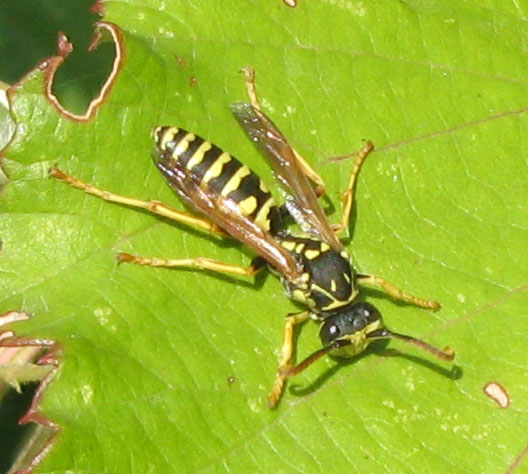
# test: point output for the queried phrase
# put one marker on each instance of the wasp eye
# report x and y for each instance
(329, 332)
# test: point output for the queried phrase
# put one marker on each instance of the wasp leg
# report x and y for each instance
(286, 353)
(199, 262)
(249, 74)
(348, 195)
(155, 207)
(320, 187)
(396, 292)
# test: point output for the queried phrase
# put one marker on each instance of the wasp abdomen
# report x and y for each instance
(218, 170)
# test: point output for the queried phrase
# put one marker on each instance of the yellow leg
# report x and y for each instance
(199, 262)
(249, 74)
(320, 187)
(396, 292)
(285, 355)
(155, 207)
(348, 195)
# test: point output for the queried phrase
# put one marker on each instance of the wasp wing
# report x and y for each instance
(303, 205)
(226, 213)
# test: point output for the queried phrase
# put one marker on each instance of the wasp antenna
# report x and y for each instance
(446, 354)
(290, 371)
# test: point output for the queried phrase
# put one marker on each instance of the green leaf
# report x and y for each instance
(169, 371)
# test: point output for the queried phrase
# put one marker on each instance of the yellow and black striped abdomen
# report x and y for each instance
(217, 171)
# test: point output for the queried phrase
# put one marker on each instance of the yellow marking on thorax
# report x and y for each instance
(216, 168)
(336, 303)
(248, 205)
(167, 136)
(234, 181)
(183, 145)
(262, 219)
(299, 248)
(300, 296)
(325, 247)
(333, 286)
(333, 305)
(346, 277)
(312, 254)
(199, 154)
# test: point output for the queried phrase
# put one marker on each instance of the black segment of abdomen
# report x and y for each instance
(250, 186)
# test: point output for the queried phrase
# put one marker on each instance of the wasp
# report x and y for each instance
(313, 264)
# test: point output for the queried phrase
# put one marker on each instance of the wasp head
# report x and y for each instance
(349, 331)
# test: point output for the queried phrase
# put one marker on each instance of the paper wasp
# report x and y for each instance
(313, 265)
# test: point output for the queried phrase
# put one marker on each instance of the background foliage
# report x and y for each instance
(441, 211)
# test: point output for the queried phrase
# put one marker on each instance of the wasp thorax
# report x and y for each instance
(352, 326)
